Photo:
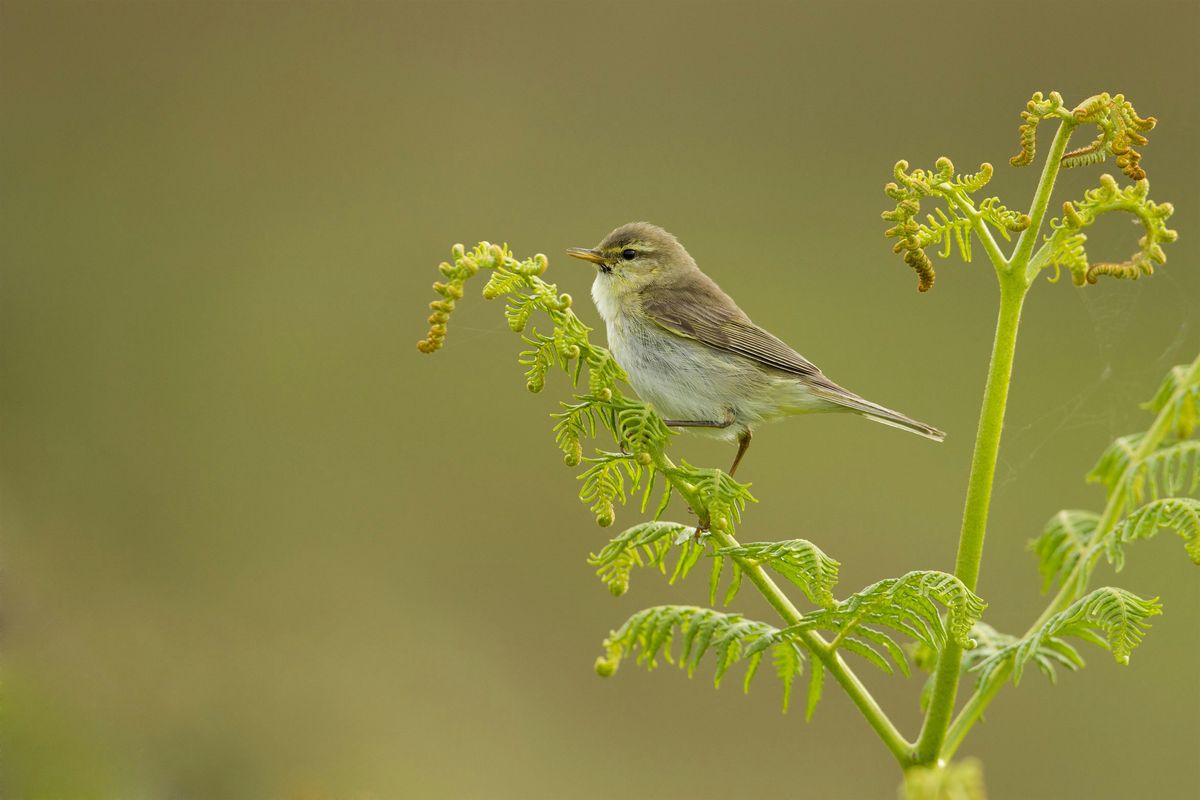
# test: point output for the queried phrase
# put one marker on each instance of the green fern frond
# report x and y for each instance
(798, 560)
(946, 227)
(540, 360)
(638, 427)
(1179, 397)
(722, 499)
(907, 605)
(1066, 539)
(991, 648)
(912, 237)
(1070, 252)
(1064, 246)
(647, 545)
(650, 634)
(456, 273)
(631, 423)
(946, 230)
(503, 281)
(1047, 654)
(877, 647)
(603, 370)
(518, 310)
(604, 483)
(1168, 471)
(1108, 616)
(1180, 514)
(1115, 461)
(576, 422)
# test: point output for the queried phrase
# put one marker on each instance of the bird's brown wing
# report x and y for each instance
(704, 313)
(723, 326)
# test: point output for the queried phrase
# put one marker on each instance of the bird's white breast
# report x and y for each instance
(684, 379)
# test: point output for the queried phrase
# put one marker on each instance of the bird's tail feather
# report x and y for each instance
(884, 416)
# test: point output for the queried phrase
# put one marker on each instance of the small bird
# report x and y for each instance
(696, 357)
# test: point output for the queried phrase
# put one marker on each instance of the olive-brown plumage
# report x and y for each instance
(695, 356)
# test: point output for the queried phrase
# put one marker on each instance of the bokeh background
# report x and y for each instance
(255, 545)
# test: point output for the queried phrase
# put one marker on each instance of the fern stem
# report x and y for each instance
(1041, 199)
(876, 717)
(975, 513)
(973, 710)
(987, 438)
(816, 644)
(1014, 284)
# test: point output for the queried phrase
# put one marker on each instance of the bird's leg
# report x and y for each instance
(743, 446)
(702, 523)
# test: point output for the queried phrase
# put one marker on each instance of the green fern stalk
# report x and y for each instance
(1014, 285)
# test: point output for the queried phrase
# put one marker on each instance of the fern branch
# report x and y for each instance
(1109, 617)
(1064, 247)
(1114, 470)
(830, 660)
(914, 237)
(650, 634)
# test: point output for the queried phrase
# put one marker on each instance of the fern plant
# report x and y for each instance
(928, 617)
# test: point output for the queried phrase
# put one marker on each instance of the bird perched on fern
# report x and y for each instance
(695, 356)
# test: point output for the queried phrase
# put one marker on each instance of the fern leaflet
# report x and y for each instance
(1179, 397)
(798, 560)
(905, 605)
(1066, 539)
(647, 545)
(1181, 514)
(1107, 617)
(650, 634)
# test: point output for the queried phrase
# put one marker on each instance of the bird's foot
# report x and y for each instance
(703, 525)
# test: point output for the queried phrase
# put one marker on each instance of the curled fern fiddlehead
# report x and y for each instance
(1064, 247)
(1120, 129)
(1037, 109)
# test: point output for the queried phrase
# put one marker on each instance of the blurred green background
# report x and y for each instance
(255, 545)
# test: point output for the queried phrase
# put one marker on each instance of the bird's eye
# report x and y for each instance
(629, 254)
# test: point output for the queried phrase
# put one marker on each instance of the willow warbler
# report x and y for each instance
(696, 357)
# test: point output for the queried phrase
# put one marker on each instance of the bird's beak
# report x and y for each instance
(586, 253)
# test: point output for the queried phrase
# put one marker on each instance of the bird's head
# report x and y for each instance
(636, 255)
